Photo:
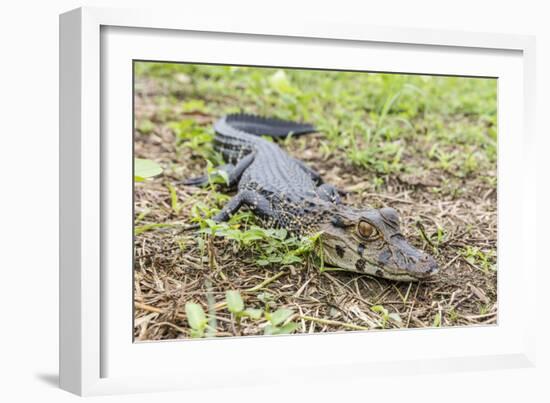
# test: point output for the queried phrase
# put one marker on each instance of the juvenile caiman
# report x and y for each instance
(285, 193)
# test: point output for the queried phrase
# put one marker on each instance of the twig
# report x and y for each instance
(301, 289)
(333, 322)
(412, 306)
(352, 293)
(379, 297)
(396, 199)
(473, 265)
(150, 308)
(450, 262)
(420, 226)
(146, 307)
(486, 315)
(266, 282)
(179, 329)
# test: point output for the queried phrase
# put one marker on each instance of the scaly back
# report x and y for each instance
(237, 134)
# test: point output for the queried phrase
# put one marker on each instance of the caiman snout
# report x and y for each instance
(401, 259)
(425, 265)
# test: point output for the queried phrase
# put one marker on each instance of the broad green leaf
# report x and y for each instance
(235, 303)
(195, 316)
(289, 259)
(279, 316)
(257, 232)
(145, 169)
(250, 236)
(275, 259)
(211, 223)
(224, 175)
(253, 313)
(286, 329)
(265, 297)
(269, 329)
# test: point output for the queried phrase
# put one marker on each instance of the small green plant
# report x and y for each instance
(390, 101)
(235, 305)
(432, 154)
(485, 261)
(216, 175)
(276, 320)
(176, 206)
(277, 323)
(207, 208)
(146, 126)
(445, 160)
(269, 245)
(491, 181)
(470, 163)
(199, 139)
(437, 320)
(375, 153)
(378, 182)
(196, 319)
(484, 309)
(142, 215)
(439, 235)
(452, 315)
(280, 82)
(386, 316)
(435, 239)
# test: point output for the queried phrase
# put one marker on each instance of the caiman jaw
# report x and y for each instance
(369, 241)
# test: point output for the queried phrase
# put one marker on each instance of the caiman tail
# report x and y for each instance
(237, 135)
(262, 126)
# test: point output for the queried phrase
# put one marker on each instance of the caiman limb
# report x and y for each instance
(234, 173)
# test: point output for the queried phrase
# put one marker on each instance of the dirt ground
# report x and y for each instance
(171, 271)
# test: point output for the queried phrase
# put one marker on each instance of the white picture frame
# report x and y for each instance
(97, 356)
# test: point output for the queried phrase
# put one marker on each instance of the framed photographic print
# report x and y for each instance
(257, 195)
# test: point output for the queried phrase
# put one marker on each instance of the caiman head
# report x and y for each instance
(370, 241)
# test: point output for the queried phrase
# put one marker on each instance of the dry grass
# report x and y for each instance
(171, 269)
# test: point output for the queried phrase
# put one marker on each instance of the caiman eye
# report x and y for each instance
(366, 230)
